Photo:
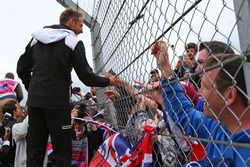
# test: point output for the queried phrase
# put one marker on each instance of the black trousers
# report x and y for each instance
(43, 122)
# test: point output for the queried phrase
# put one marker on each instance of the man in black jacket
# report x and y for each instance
(12, 111)
(45, 70)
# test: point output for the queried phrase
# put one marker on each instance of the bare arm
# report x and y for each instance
(137, 95)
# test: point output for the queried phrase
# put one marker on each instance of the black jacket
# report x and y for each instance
(45, 67)
(7, 155)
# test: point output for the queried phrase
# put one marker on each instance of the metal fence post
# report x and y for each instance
(97, 61)
(242, 12)
(97, 56)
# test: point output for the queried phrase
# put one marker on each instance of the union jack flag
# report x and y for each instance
(117, 151)
(106, 129)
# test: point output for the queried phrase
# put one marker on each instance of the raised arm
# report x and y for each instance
(176, 104)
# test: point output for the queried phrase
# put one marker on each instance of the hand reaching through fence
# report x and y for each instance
(111, 94)
(160, 51)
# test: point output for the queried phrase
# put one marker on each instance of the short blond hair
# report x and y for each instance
(68, 14)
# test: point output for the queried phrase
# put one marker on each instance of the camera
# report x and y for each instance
(8, 122)
(83, 107)
(82, 111)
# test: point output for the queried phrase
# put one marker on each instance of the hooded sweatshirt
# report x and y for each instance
(194, 123)
(19, 133)
(45, 67)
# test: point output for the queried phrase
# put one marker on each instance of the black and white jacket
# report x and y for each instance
(45, 67)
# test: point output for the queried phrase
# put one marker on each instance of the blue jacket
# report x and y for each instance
(194, 123)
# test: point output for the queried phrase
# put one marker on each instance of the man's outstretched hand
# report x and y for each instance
(113, 80)
(160, 51)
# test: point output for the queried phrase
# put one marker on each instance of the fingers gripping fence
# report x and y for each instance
(201, 112)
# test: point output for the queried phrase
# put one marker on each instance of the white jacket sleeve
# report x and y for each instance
(20, 130)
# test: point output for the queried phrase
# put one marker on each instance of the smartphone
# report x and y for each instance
(180, 58)
(112, 72)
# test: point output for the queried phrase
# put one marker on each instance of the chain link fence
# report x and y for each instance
(198, 33)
